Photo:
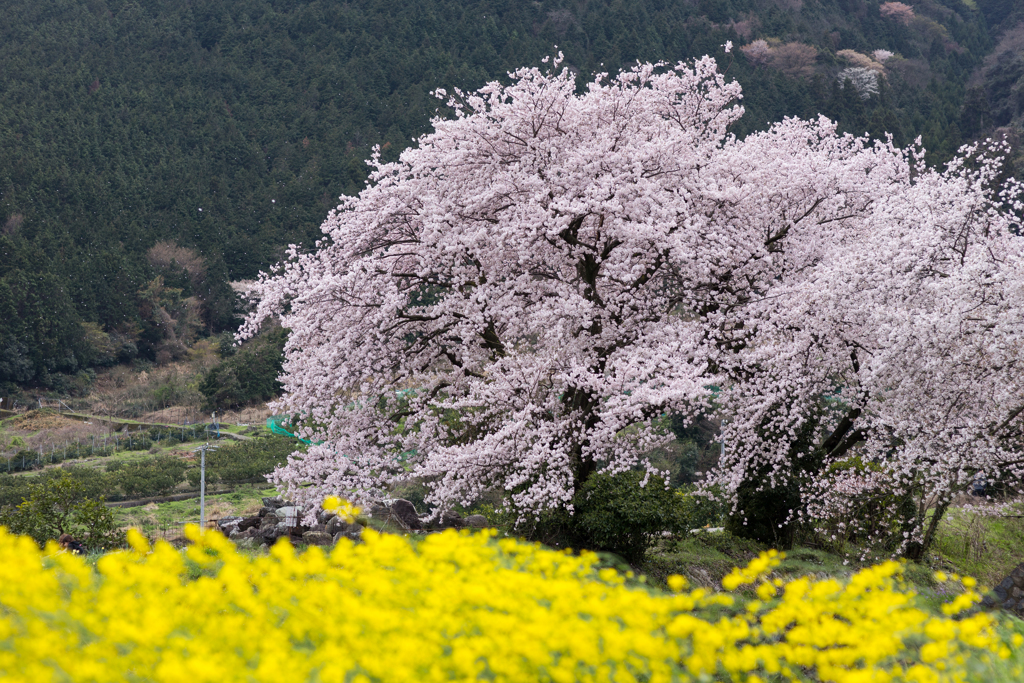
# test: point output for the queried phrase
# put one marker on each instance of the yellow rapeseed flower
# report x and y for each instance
(454, 606)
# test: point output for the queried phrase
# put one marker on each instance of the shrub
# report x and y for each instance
(248, 375)
(59, 505)
(246, 462)
(150, 478)
(13, 490)
(613, 513)
(696, 511)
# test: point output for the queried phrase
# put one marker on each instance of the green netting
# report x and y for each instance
(274, 424)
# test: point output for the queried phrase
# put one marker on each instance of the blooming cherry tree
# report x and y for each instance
(900, 344)
(516, 302)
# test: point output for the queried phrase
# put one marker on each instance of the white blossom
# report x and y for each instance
(515, 302)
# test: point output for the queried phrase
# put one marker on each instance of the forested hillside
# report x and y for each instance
(151, 151)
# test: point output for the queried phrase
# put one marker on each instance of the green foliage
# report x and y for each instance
(154, 477)
(26, 460)
(698, 448)
(59, 505)
(703, 558)
(981, 543)
(698, 512)
(765, 510)
(250, 374)
(614, 513)
(246, 462)
(13, 490)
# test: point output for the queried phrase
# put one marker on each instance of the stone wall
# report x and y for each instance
(1009, 595)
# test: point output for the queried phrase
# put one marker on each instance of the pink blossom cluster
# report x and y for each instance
(516, 302)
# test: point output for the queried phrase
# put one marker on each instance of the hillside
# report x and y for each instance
(153, 151)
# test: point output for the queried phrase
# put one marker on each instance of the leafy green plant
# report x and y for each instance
(153, 477)
(696, 511)
(248, 375)
(59, 505)
(613, 513)
(245, 462)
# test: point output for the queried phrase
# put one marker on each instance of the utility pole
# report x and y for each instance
(202, 488)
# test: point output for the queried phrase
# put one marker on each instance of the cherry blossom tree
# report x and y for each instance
(516, 302)
(864, 81)
(758, 51)
(887, 368)
(899, 11)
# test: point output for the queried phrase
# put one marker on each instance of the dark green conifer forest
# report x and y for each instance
(152, 151)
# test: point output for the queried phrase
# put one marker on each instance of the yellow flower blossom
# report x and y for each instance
(456, 606)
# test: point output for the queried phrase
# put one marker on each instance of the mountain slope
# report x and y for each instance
(226, 129)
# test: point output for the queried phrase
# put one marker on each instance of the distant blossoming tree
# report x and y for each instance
(758, 51)
(794, 59)
(516, 302)
(899, 11)
(864, 81)
(883, 377)
(861, 60)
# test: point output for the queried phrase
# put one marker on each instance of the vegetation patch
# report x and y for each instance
(497, 609)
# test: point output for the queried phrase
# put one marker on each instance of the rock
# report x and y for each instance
(270, 520)
(1009, 594)
(274, 503)
(353, 532)
(404, 512)
(476, 522)
(249, 523)
(272, 529)
(324, 516)
(450, 520)
(247, 543)
(228, 524)
(334, 525)
(1017, 576)
(379, 510)
(317, 538)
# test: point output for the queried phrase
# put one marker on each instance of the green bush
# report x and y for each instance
(13, 490)
(154, 477)
(248, 375)
(697, 512)
(59, 505)
(613, 513)
(93, 483)
(246, 462)
(22, 461)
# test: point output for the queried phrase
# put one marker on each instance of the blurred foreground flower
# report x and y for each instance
(454, 606)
